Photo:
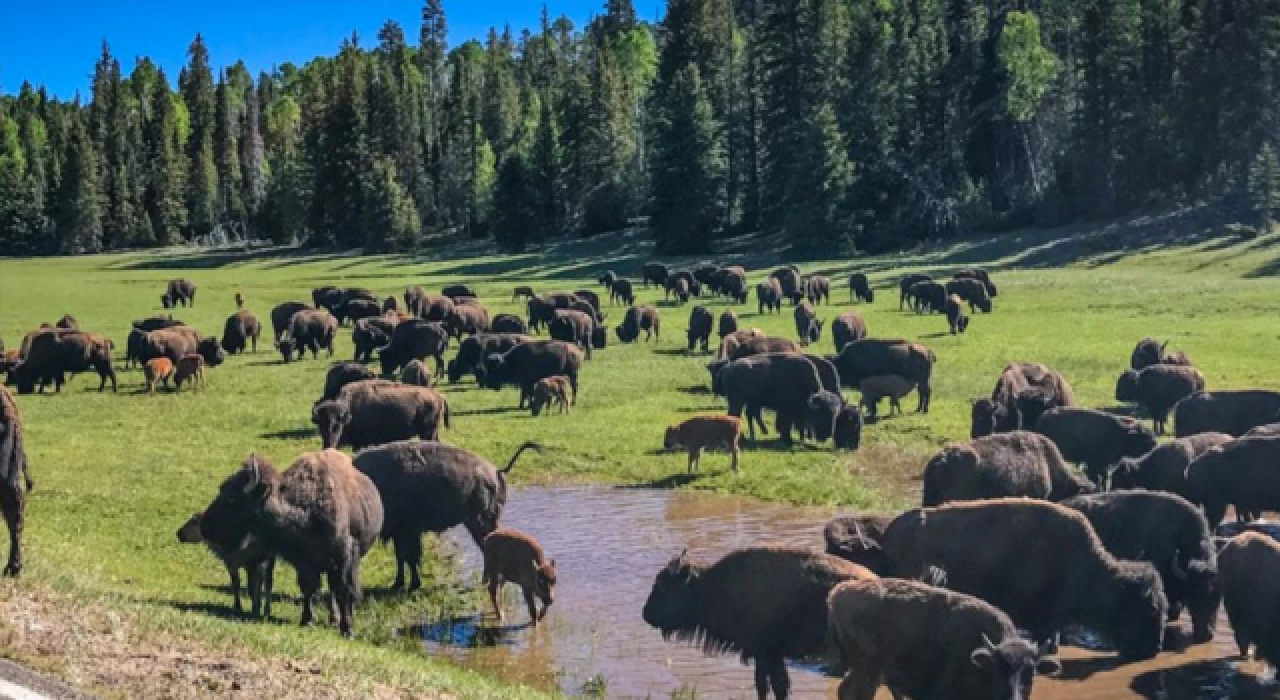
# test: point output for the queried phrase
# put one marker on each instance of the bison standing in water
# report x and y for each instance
(1001, 466)
(1250, 566)
(15, 478)
(767, 604)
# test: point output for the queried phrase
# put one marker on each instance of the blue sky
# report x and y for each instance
(56, 42)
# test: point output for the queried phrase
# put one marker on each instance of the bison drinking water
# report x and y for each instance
(515, 557)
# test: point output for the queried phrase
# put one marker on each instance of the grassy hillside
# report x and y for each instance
(117, 474)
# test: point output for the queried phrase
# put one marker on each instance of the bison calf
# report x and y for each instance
(551, 390)
(190, 367)
(884, 385)
(515, 557)
(157, 369)
(701, 432)
(237, 552)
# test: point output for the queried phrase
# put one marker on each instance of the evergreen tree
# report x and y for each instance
(546, 168)
(197, 87)
(167, 176)
(516, 215)
(21, 219)
(687, 209)
(79, 216)
(1264, 186)
(391, 220)
(337, 210)
(226, 147)
(253, 157)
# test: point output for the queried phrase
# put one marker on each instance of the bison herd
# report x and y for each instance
(1052, 515)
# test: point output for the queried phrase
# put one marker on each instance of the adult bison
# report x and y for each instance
(1096, 439)
(508, 323)
(241, 329)
(282, 314)
(1250, 565)
(808, 325)
(905, 286)
(457, 292)
(466, 319)
(573, 327)
(858, 538)
(378, 411)
(312, 330)
(370, 334)
(355, 309)
(1243, 473)
(656, 273)
(473, 350)
(175, 342)
(860, 288)
(341, 374)
(15, 478)
(639, 318)
(526, 363)
(978, 273)
(817, 289)
(1039, 562)
(782, 382)
(327, 297)
(1002, 412)
(430, 487)
(727, 324)
(622, 290)
(873, 357)
(1006, 465)
(760, 344)
(734, 285)
(972, 291)
(769, 296)
(179, 291)
(1150, 351)
(56, 353)
(1165, 467)
(1231, 412)
(848, 327)
(415, 339)
(699, 331)
(1159, 388)
(928, 296)
(766, 604)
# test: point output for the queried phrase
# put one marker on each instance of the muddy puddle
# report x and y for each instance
(609, 544)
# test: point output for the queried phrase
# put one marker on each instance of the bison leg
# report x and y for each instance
(495, 587)
(926, 393)
(573, 384)
(532, 604)
(234, 572)
(12, 502)
(859, 686)
(694, 453)
(341, 597)
(733, 454)
(254, 573)
(309, 584)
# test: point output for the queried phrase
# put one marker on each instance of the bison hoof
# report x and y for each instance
(12, 570)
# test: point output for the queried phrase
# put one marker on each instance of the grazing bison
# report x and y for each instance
(639, 318)
(857, 538)
(790, 282)
(972, 291)
(904, 288)
(848, 327)
(459, 291)
(827, 374)
(308, 330)
(282, 314)
(700, 322)
(432, 308)
(978, 274)
(15, 478)
(523, 292)
(848, 434)
(176, 342)
(1002, 413)
(526, 363)
(56, 353)
(759, 345)
(956, 317)
(817, 289)
(370, 334)
(695, 287)
(320, 515)
(508, 323)
(378, 411)
(677, 286)
(157, 370)
(889, 631)
(414, 339)
(728, 324)
(189, 368)
(415, 373)
(179, 291)
(1066, 577)
(1159, 388)
(1169, 532)
(820, 414)
(590, 297)
(241, 329)
(430, 487)
(769, 296)
(473, 350)
(873, 357)
(885, 385)
(1001, 466)
(623, 291)
(551, 390)
(767, 604)
(808, 326)
(573, 327)
(656, 273)
(1095, 439)
(1165, 467)
(515, 557)
(236, 551)
(466, 319)
(700, 432)
(782, 382)
(341, 374)
(928, 296)
(390, 305)
(860, 288)
(1232, 412)
(1243, 473)
(734, 285)
(729, 344)
(355, 309)
(328, 298)
(1250, 570)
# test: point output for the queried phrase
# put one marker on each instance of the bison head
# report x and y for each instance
(983, 418)
(1030, 404)
(1148, 352)
(1203, 595)
(714, 368)
(671, 439)
(546, 584)
(493, 368)
(1127, 386)
(1013, 665)
(166, 301)
(331, 418)
(672, 606)
(287, 346)
(848, 434)
(190, 532)
(209, 350)
(627, 331)
(820, 414)
(234, 511)
(983, 303)
(1135, 610)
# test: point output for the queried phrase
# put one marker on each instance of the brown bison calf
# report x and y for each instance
(884, 385)
(237, 552)
(515, 557)
(190, 367)
(1250, 570)
(157, 369)
(701, 432)
(550, 390)
(927, 643)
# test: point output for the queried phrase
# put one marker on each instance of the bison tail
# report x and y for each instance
(519, 451)
(446, 415)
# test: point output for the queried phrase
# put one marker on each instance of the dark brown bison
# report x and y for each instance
(904, 289)
(378, 411)
(928, 296)
(860, 288)
(390, 305)
(415, 339)
(782, 382)
(759, 345)
(542, 310)
(433, 308)
(473, 350)
(734, 285)
(328, 298)
(1169, 532)
(155, 323)
(766, 604)
(1159, 388)
(178, 341)
(677, 286)
(369, 334)
(241, 330)
(236, 551)
(769, 296)
(623, 291)
(828, 375)
(1002, 412)
(1005, 465)
(848, 428)
(1065, 577)
(1231, 412)
(808, 325)
(848, 327)
(466, 319)
(341, 374)
(885, 631)
(695, 287)
(459, 291)
(700, 322)
(791, 283)
(820, 415)
(1165, 467)
(858, 538)
(573, 327)
(972, 291)
(1150, 351)
(508, 323)
(312, 330)
(282, 314)
(656, 273)
(1250, 570)
(588, 296)
(817, 289)
(430, 487)
(873, 357)
(1243, 473)
(320, 515)
(179, 291)
(1096, 439)
(55, 353)
(15, 478)
(639, 318)
(957, 319)
(728, 324)
(526, 363)
(978, 273)
(355, 309)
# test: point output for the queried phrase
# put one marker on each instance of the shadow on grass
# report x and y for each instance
(678, 352)
(497, 410)
(696, 390)
(295, 434)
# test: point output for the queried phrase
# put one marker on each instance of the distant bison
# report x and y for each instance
(637, 319)
(905, 285)
(885, 385)
(1096, 439)
(370, 334)
(355, 309)
(978, 273)
(956, 317)
(817, 289)
(860, 288)
(728, 324)
(508, 323)
(928, 296)
(1150, 351)
(791, 283)
(466, 319)
(179, 291)
(473, 350)
(656, 273)
(1001, 466)
(414, 339)
(312, 330)
(377, 411)
(701, 432)
(241, 329)
(282, 314)
(573, 327)
(873, 357)
(820, 414)
(808, 325)
(760, 344)
(769, 296)
(1159, 388)
(848, 327)
(700, 322)
(972, 291)
(526, 363)
(1231, 412)
(622, 290)
(56, 353)
(175, 342)
(459, 291)
(848, 428)
(341, 374)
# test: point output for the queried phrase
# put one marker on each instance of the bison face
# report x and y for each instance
(1136, 612)
(820, 414)
(1203, 597)
(627, 332)
(330, 418)
(1013, 665)
(166, 301)
(493, 366)
(672, 605)
(1127, 387)
(1030, 404)
(209, 350)
(671, 439)
(546, 583)
(287, 347)
(983, 304)
(190, 532)
(982, 418)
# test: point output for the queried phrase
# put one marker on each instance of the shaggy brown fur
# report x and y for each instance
(1250, 570)
(1004, 465)
(189, 368)
(857, 538)
(550, 390)
(701, 432)
(514, 557)
(884, 385)
(848, 327)
(157, 369)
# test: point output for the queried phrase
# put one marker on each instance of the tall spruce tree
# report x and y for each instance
(687, 207)
(196, 83)
(80, 208)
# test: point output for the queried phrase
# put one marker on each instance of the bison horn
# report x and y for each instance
(1178, 571)
(986, 641)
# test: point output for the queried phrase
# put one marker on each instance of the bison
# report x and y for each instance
(414, 339)
(1150, 351)
(978, 273)
(241, 329)
(848, 327)
(459, 291)
(473, 350)
(820, 414)
(308, 330)
(873, 357)
(769, 296)
(15, 478)
(1159, 388)
(957, 319)
(639, 318)
(1002, 412)
(727, 324)
(1165, 467)
(972, 291)
(1232, 412)
(56, 353)
(282, 314)
(341, 374)
(700, 321)
(808, 326)
(378, 411)
(1250, 570)
(515, 557)
(370, 334)
(623, 291)
(179, 291)
(236, 551)
(700, 432)
(905, 285)
(508, 323)
(860, 288)
(1004, 465)
(782, 382)
(466, 319)
(817, 289)
(573, 327)
(857, 538)
(1095, 439)
(928, 296)
(526, 363)
(891, 385)
(1243, 473)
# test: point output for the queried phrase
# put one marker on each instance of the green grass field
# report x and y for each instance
(117, 474)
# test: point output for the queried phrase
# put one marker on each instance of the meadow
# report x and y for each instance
(117, 474)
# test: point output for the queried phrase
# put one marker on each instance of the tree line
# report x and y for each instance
(836, 124)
